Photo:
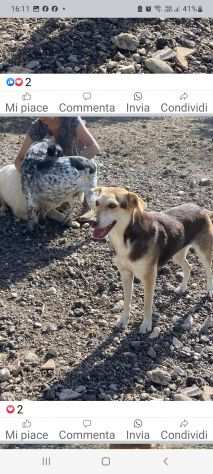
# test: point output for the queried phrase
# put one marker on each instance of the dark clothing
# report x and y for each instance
(67, 134)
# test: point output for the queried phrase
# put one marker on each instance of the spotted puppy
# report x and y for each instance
(146, 240)
(50, 179)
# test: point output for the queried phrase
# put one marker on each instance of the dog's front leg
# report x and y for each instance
(3, 208)
(149, 280)
(32, 212)
(127, 281)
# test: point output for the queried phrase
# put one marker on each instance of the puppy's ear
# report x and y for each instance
(132, 201)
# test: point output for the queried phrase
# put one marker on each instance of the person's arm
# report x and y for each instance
(21, 155)
(86, 142)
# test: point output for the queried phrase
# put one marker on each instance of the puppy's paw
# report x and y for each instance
(3, 210)
(31, 226)
(122, 322)
(146, 326)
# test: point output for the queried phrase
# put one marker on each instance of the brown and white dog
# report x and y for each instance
(145, 240)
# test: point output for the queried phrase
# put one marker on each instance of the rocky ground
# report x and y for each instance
(60, 292)
(106, 45)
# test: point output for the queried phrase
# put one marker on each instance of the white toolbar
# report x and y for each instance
(106, 95)
(106, 422)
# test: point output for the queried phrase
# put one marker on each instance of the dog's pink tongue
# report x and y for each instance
(98, 233)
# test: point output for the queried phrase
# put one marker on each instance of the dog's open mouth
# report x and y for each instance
(100, 233)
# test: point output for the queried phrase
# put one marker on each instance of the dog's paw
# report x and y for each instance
(122, 322)
(3, 211)
(31, 226)
(145, 327)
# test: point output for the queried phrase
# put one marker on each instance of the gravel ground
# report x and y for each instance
(60, 292)
(93, 46)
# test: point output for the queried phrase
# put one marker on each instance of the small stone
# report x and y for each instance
(81, 389)
(75, 225)
(37, 325)
(155, 333)
(208, 324)
(142, 51)
(4, 374)
(31, 358)
(78, 312)
(188, 323)
(34, 64)
(164, 54)
(49, 365)
(127, 69)
(181, 55)
(72, 58)
(158, 66)
(151, 353)
(207, 393)
(14, 294)
(113, 387)
(176, 343)
(179, 397)
(192, 391)
(6, 396)
(136, 345)
(188, 43)
(51, 354)
(50, 327)
(205, 182)
(118, 307)
(51, 291)
(136, 57)
(179, 372)
(67, 394)
(159, 376)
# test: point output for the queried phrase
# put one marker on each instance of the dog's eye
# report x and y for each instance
(112, 205)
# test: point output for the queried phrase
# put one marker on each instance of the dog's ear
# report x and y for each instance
(132, 201)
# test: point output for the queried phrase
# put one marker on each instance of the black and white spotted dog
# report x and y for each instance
(50, 179)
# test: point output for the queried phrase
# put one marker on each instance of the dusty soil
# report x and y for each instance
(81, 45)
(59, 288)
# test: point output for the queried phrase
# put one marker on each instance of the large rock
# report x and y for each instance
(126, 41)
(158, 66)
(159, 376)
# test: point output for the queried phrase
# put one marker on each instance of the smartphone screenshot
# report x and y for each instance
(106, 213)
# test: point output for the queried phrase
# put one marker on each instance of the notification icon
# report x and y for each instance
(10, 81)
(10, 409)
(19, 81)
